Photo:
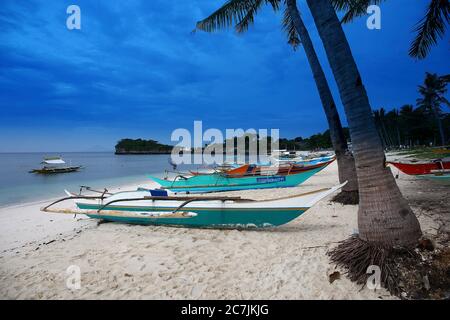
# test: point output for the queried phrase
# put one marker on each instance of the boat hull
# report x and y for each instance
(218, 182)
(441, 178)
(55, 170)
(306, 161)
(204, 218)
(421, 168)
(134, 207)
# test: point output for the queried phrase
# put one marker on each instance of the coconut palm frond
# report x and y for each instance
(239, 13)
(445, 101)
(446, 78)
(249, 17)
(353, 8)
(274, 3)
(289, 28)
(433, 92)
(230, 13)
(430, 28)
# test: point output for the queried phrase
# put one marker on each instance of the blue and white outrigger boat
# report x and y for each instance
(251, 177)
(157, 207)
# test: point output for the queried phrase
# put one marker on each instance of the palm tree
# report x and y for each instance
(385, 219)
(242, 13)
(378, 124)
(431, 27)
(433, 91)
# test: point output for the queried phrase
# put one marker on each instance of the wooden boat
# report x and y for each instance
(438, 166)
(283, 169)
(303, 161)
(230, 182)
(251, 169)
(441, 177)
(222, 168)
(147, 208)
(54, 165)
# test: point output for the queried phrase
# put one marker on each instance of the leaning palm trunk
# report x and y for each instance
(346, 163)
(384, 217)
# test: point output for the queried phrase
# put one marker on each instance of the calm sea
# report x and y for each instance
(103, 169)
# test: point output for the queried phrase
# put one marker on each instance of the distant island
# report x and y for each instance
(315, 142)
(140, 146)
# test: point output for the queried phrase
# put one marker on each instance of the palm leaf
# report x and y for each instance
(289, 28)
(234, 12)
(353, 8)
(249, 17)
(430, 28)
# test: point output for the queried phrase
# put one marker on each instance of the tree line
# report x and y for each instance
(386, 223)
(141, 146)
(426, 123)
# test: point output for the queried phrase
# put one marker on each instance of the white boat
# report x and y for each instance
(55, 165)
(155, 207)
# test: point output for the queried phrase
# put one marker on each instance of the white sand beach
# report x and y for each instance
(119, 261)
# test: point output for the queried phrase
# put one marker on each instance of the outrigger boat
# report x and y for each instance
(55, 165)
(255, 169)
(435, 167)
(221, 168)
(239, 179)
(156, 207)
(303, 161)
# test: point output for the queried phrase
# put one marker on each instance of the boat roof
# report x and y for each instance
(54, 160)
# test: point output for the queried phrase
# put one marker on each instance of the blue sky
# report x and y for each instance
(136, 70)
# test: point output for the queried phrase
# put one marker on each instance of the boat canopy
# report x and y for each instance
(53, 161)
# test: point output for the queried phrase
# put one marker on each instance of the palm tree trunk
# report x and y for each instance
(346, 163)
(439, 122)
(384, 217)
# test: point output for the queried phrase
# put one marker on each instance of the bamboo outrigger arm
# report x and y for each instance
(72, 198)
(87, 188)
(186, 200)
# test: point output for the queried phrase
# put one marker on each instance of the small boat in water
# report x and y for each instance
(156, 207)
(54, 165)
(435, 167)
(239, 179)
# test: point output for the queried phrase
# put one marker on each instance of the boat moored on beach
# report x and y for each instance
(243, 178)
(434, 167)
(156, 207)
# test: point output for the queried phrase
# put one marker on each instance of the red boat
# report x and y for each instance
(247, 170)
(420, 168)
(285, 169)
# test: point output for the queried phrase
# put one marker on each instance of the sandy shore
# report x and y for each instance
(146, 262)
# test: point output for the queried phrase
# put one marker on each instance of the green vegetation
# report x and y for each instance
(140, 146)
(315, 142)
(426, 125)
(425, 153)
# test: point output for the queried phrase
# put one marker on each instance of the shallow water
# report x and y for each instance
(102, 169)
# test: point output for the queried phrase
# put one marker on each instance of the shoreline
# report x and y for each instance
(119, 261)
(17, 221)
(44, 200)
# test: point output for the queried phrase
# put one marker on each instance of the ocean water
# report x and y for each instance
(102, 169)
